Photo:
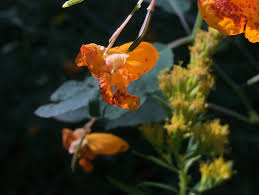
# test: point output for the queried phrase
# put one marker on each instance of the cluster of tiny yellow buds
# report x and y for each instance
(205, 44)
(177, 123)
(213, 136)
(154, 133)
(164, 83)
(215, 172)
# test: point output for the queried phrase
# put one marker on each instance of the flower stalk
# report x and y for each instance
(189, 38)
(122, 26)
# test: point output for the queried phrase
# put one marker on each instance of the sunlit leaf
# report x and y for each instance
(71, 96)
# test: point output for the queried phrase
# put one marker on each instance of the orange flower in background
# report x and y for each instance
(117, 70)
(232, 17)
(94, 144)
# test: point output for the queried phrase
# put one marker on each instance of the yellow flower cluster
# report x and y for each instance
(215, 172)
(187, 88)
(213, 136)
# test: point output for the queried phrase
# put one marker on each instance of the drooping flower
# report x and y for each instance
(93, 144)
(117, 70)
(232, 17)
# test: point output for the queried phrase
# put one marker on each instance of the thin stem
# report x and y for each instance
(190, 38)
(197, 25)
(180, 42)
(122, 26)
(87, 129)
(144, 27)
(254, 118)
(229, 112)
(180, 16)
(183, 183)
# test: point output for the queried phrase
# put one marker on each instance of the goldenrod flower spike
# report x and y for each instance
(232, 17)
(117, 70)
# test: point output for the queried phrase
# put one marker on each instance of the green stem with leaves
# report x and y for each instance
(253, 116)
(183, 177)
(190, 38)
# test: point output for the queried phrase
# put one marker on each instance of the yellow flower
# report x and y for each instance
(215, 172)
(213, 136)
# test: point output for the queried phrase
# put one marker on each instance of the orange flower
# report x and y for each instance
(232, 17)
(94, 144)
(117, 70)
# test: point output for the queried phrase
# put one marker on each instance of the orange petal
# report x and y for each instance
(140, 60)
(67, 138)
(106, 144)
(120, 97)
(86, 165)
(225, 15)
(91, 56)
(124, 100)
(252, 26)
(231, 16)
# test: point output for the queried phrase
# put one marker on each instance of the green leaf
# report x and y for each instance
(147, 84)
(125, 187)
(71, 2)
(156, 161)
(144, 114)
(182, 5)
(188, 163)
(72, 96)
(168, 109)
(158, 185)
(192, 147)
(74, 116)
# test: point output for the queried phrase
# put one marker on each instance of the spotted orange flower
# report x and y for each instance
(232, 17)
(94, 144)
(117, 70)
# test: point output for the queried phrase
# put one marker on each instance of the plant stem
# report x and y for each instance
(122, 26)
(183, 182)
(190, 38)
(180, 16)
(197, 25)
(229, 112)
(253, 116)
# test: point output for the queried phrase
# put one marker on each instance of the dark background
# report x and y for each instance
(39, 42)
